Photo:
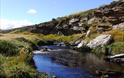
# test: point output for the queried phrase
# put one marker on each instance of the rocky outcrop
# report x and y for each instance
(99, 41)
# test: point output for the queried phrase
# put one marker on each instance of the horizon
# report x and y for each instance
(14, 14)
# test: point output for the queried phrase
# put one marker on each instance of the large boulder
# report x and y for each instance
(99, 41)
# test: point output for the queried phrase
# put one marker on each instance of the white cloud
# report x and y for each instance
(32, 11)
(9, 24)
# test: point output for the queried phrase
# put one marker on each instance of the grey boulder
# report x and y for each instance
(100, 41)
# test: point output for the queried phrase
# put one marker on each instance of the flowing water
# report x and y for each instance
(77, 65)
(45, 64)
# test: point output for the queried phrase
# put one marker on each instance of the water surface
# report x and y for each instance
(45, 64)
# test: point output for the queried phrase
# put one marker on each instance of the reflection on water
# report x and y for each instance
(95, 63)
(45, 64)
(76, 64)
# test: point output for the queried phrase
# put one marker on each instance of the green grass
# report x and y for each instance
(114, 48)
(8, 48)
(118, 35)
(16, 57)
(81, 14)
(12, 67)
(117, 47)
(61, 38)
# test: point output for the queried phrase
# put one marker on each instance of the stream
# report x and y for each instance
(45, 64)
(67, 63)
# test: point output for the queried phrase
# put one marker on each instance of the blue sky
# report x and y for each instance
(37, 11)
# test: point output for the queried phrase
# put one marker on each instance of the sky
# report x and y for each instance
(17, 13)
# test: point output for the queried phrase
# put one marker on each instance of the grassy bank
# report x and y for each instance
(16, 67)
(16, 57)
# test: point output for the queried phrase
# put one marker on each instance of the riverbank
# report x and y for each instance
(15, 67)
(16, 57)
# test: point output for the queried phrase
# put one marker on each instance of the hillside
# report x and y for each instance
(103, 18)
(105, 23)
(95, 27)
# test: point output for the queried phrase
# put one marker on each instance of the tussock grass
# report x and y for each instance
(117, 35)
(16, 56)
(12, 67)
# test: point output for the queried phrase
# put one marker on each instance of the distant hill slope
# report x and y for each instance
(102, 18)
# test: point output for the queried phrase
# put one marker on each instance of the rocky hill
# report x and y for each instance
(101, 19)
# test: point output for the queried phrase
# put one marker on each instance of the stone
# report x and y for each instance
(104, 27)
(93, 20)
(80, 24)
(82, 43)
(100, 41)
(84, 19)
(118, 26)
(60, 33)
(73, 21)
(77, 28)
(88, 33)
(98, 13)
(113, 19)
(77, 42)
(108, 11)
(65, 26)
(59, 27)
(121, 18)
